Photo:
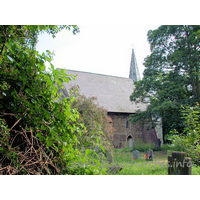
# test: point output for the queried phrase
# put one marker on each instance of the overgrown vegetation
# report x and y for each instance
(140, 146)
(125, 165)
(37, 132)
(189, 140)
(98, 134)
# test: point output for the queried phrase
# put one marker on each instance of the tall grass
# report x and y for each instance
(125, 165)
(143, 168)
(123, 159)
(143, 146)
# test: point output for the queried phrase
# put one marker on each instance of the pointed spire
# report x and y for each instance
(134, 71)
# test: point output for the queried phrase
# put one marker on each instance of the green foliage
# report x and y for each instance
(189, 140)
(140, 146)
(123, 161)
(171, 75)
(144, 168)
(128, 166)
(37, 132)
(98, 134)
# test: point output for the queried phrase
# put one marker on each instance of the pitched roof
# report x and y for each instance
(112, 92)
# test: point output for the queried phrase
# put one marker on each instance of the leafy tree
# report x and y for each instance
(98, 134)
(36, 130)
(171, 75)
(189, 140)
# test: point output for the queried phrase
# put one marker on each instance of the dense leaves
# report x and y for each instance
(171, 76)
(37, 132)
(98, 134)
(189, 140)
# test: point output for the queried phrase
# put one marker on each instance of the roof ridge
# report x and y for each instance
(95, 73)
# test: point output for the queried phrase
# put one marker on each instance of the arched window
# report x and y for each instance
(127, 124)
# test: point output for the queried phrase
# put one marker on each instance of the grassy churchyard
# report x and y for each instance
(125, 164)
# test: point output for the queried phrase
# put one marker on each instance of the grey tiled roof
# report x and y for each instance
(112, 92)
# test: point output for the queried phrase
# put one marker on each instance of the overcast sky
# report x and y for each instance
(108, 32)
(104, 49)
(103, 46)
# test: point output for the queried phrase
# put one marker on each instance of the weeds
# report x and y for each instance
(125, 165)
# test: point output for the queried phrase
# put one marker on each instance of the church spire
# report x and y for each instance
(134, 71)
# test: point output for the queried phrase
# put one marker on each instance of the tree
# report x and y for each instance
(171, 75)
(98, 134)
(36, 130)
(189, 140)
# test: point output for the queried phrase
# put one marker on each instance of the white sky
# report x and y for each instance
(104, 49)
(109, 29)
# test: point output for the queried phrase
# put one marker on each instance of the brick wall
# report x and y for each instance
(123, 129)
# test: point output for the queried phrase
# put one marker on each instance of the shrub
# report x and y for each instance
(37, 132)
(98, 134)
(189, 140)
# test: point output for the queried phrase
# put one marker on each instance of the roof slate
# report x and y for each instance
(112, 92)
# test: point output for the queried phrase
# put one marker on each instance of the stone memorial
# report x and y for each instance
(179, 164)
(157, 144)
(151, 154)
(136, 154)
(147, 154)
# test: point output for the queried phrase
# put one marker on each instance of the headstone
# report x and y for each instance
(136, 154)
(151, 155)
(179, 164)
(158, 143)
(147, 154)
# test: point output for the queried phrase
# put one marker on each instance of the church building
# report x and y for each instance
(113, 93)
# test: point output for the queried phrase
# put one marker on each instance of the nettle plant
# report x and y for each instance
(189, 140)
(98, 133)
(37, 132)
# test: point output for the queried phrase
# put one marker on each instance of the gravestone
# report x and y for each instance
(157, 145)
(136, 154)
(149, 154)
(179, 164)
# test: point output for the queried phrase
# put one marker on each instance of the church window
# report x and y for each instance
(127, 124)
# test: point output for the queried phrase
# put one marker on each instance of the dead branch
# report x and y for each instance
(32, 160)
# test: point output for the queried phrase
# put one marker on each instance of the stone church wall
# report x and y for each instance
(124, 130)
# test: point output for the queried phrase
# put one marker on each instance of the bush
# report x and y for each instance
(98, 134)
(189, 140)
(37, 132)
